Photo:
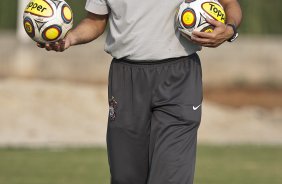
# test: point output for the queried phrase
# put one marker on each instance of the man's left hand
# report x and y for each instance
(220, 34)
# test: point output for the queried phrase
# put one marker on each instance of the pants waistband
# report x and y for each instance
(153, 62)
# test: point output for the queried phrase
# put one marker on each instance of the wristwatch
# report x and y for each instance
(235, 34)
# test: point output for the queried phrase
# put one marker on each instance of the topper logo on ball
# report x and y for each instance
(39, 8)
(215, 11)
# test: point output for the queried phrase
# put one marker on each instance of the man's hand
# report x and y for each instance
(220, 34)
(58, 46)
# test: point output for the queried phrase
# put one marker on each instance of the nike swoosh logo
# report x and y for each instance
(195, 108)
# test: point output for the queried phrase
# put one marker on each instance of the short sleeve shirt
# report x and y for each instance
(142, 30)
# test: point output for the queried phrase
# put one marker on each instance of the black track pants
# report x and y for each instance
(155, 112)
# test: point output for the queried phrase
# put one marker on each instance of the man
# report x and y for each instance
(155, 86)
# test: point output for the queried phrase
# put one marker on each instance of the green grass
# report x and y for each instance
(239, 165)
(215, 165)
(43, 166)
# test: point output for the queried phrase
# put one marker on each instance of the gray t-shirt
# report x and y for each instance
(142, 30)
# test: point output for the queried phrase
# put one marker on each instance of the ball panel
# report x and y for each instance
(188, 18)
(189, 1)
(208, 29)
(214, 10)
(66, 14)
(40, 8)
(57, 2)
(202, 20)
(29, 27)
(39, 24)
(52, 33)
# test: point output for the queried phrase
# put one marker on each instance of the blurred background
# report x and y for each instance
(53, 106)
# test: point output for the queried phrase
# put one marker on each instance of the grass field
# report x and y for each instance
(215, 165)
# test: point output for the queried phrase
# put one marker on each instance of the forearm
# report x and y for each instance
(88, 29)
(233, 11)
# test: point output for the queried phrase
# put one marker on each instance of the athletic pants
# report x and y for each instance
(155, 112)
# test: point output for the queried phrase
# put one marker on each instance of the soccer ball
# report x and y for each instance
(191, 15)
(47, 21)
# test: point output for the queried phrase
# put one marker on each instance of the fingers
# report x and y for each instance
(214, 22)
(40, 45)
(204, 39)
(48, 47)
(63, 45)
(200, 40)
(203, 34)
(58, 46)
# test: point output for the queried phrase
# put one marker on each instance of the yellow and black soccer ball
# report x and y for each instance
(47, 21)
(191, 15)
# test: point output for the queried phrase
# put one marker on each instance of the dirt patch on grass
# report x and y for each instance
(269, 98)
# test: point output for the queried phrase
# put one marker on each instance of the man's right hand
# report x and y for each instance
(58, 46)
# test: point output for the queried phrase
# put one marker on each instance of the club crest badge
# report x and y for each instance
(112, 108)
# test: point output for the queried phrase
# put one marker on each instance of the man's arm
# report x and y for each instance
(233, 11)
(221, 32)
(87, 30)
